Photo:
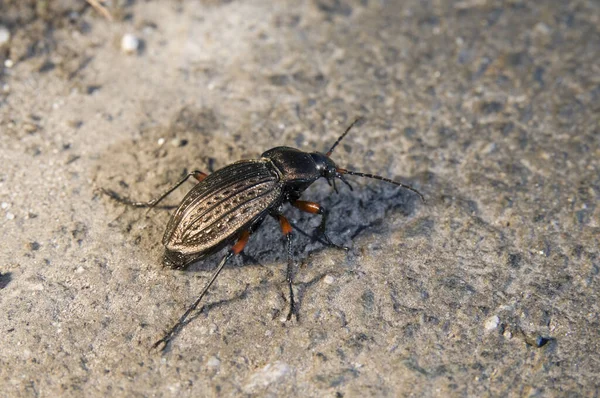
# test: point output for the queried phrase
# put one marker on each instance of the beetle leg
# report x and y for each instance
(286, 228)
(315, 208)
(236, 249)
(199, 175)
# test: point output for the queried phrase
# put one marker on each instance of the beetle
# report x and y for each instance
(225, 207)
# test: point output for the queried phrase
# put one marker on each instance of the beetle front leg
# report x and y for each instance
(236, 249)
(315, 208)
(197, 174)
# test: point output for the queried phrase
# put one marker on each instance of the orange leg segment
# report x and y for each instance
(199, 175)
(241, 243)
(309, 207)
(286, 227)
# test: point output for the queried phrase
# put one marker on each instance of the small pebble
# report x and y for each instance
(542, 29)
(213, 362)
(10, 216)
(329, 279)
(176, 142)
(36, 287)
(130, 43)
(4, 205)
(160, 141)
(272, 373)
(492, 323)
(8, 63)
(4, 34)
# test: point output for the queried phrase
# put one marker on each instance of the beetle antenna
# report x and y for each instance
(376, 177)
(342, 137)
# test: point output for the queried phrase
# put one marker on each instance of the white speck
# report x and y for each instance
(4, 205)
(507, 334)
(211, 86)
(213, 328)
(79, 270)
(281, 126)
(270, 374)
(129, 43)
(213, 362)
(8, 63)
(160, 141)
(10, 216)
(491, 147)
(5, 88)
(329, 279)
(542, 28)
(492, 323)
(268, 333)
(4, 35)
(147, 30)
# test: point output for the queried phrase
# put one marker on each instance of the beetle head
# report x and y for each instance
(328, 169)
(331, 172)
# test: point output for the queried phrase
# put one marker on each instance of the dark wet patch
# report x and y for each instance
(5, 279)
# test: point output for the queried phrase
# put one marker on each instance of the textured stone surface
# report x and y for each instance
(489, 108)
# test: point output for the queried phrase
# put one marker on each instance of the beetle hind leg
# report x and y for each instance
(315, 208)
(236, 249)
(197, 174)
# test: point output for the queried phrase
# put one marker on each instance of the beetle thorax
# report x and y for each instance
(294, 166)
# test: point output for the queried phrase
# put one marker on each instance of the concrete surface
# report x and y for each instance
(490, 108)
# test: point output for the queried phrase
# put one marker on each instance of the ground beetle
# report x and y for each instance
(225, 207)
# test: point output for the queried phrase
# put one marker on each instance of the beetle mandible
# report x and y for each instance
(226, 206)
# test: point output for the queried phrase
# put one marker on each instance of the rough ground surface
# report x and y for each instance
(489, 108)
